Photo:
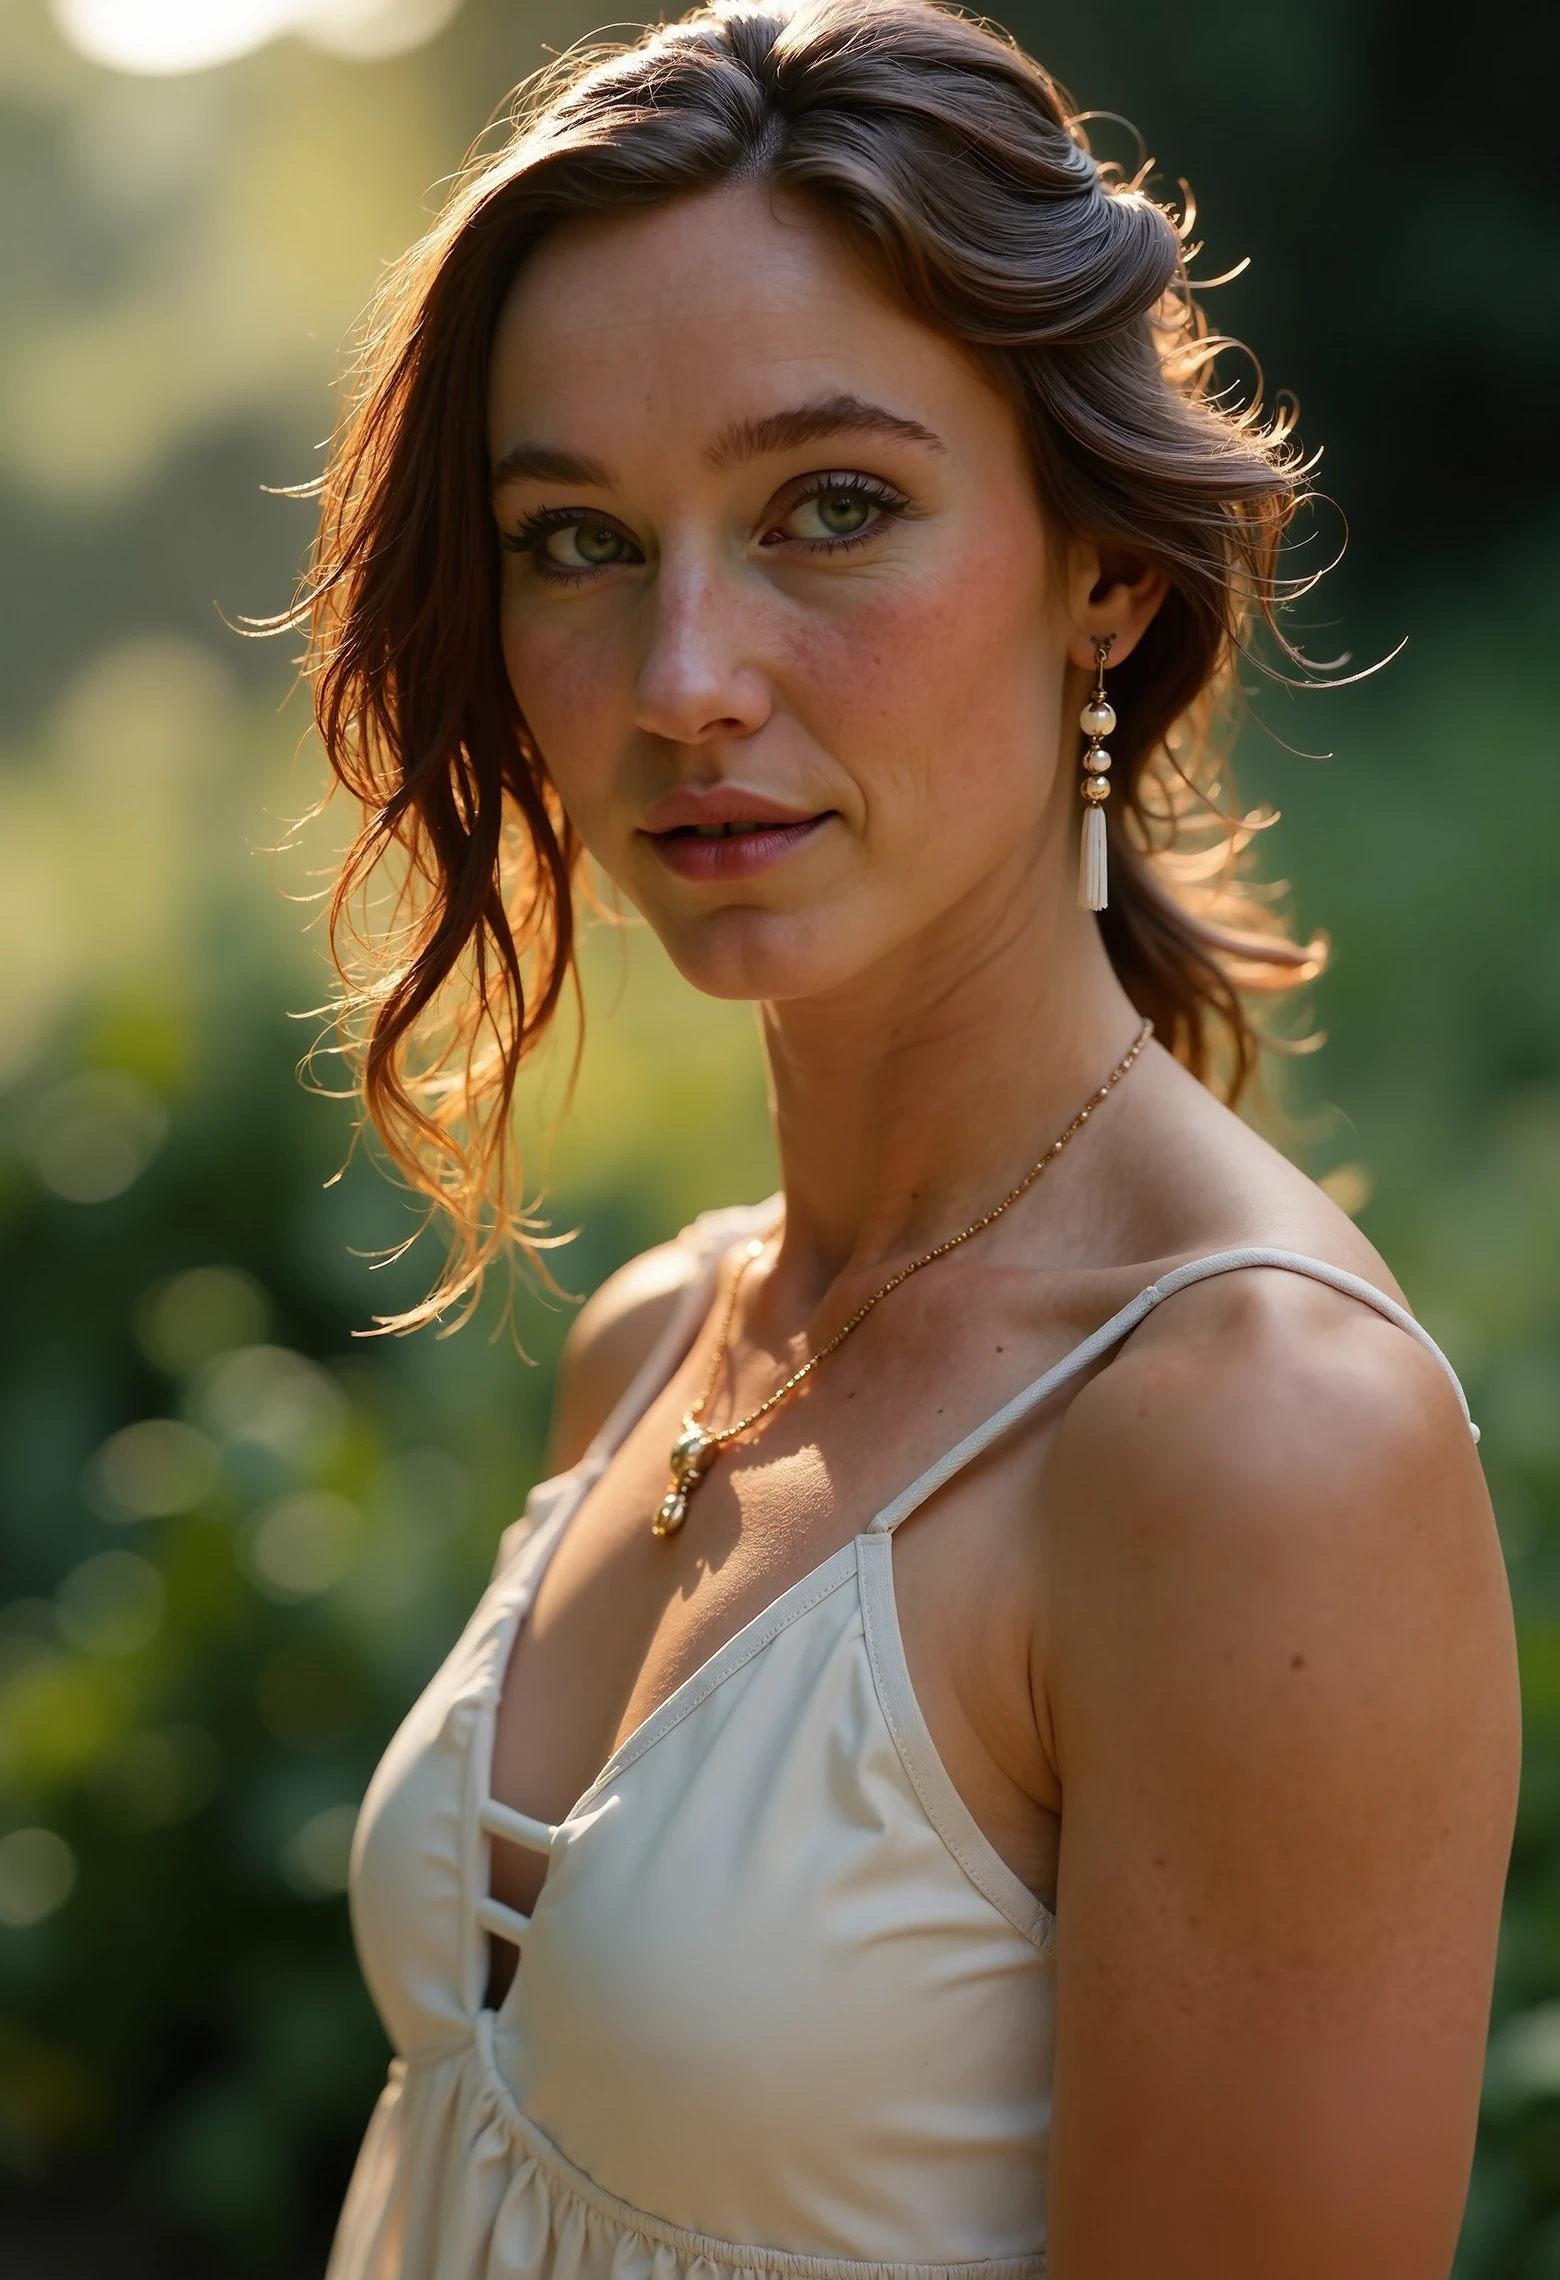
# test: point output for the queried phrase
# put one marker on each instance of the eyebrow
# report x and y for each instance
(544, 464)
(811, 423)
(741, 440)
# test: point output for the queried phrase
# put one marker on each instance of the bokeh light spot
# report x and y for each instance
(94, 1136)
(188, 1319)
(316, 1858)
(166, 36)
(301, 1545)
(268, 1395)
(154, 1468)
(112, 1604)
(37, 1875)
(1524, 2057)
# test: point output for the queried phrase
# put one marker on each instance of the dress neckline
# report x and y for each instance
(837, 1566)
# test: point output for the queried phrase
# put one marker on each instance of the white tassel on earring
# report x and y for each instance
(1097, 720)
(1093, 881)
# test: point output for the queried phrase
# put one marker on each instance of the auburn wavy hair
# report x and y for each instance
(958, 170)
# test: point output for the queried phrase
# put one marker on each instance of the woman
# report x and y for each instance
(1025, 1783)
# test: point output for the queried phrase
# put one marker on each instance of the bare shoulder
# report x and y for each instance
(613, 1335)
(1277, 1675)
(1260, 1427)
(1270, 1547)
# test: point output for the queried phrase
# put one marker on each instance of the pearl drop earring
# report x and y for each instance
(1097, 720)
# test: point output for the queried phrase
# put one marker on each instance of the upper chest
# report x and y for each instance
(622, 1618)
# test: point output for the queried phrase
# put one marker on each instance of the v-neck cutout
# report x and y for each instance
(654, 1375)
(829, 1573)
(672, 1348)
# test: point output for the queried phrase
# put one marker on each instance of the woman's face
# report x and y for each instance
(778, 604)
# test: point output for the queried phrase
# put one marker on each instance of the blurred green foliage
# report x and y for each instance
(234, 1534)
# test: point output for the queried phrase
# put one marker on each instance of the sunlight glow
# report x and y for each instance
(161, 37)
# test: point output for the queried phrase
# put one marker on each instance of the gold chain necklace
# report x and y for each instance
(695, 1449)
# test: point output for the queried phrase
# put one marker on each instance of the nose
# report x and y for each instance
(698, 682)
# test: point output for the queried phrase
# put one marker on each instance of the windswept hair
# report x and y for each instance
(957, 170)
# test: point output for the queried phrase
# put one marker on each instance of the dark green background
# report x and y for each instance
(186, 2056)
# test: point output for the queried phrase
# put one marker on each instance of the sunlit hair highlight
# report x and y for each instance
(957, 170)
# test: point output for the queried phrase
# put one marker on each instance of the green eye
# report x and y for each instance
(585, 545)
(842, 512)
(835, 514)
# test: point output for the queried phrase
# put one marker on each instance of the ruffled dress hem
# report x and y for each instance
(454, 2182)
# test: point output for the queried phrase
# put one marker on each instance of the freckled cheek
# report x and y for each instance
(926, 694)
(569, 689)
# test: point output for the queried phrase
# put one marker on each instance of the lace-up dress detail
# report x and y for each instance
(780, 2007)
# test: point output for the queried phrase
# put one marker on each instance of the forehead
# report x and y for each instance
(725, 305)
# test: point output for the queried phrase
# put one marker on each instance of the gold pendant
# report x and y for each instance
(692, 1454)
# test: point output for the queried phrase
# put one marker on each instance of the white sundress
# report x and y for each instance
(781, 2008)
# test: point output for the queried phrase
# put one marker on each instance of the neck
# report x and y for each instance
(912, 1100)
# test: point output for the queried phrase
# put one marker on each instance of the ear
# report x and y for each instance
(1112, 594)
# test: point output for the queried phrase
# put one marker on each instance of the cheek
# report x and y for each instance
(567, 682)
(940, 697)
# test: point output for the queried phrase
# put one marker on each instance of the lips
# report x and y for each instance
(738, 848)
(722, 831)
(710, 808)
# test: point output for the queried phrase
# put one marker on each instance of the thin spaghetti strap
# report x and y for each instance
(1112, 1332)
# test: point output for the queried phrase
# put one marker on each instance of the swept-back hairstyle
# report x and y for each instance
(953, 166)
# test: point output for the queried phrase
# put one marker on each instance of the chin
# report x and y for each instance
(764, 955)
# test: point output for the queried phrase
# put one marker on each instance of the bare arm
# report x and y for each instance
(612, 1336)
(1280, 1687)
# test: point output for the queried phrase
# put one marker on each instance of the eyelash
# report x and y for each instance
(535, 528)
(870, 487)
